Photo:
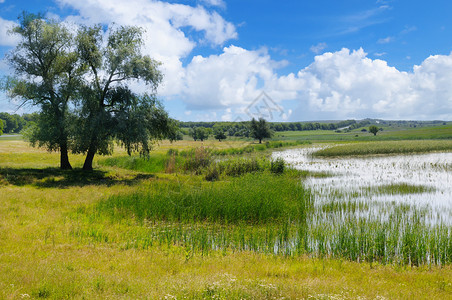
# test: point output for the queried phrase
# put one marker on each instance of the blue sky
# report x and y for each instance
(323, 59)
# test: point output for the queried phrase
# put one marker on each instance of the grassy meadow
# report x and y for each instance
(217, 221)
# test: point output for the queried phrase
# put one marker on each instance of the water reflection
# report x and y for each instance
(358, 179)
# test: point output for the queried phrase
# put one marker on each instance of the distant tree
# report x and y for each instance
(109, 110)
(1, 127)
(373, 129)
(199, 133)
(46, 74)
(10, 123)
(260, 129)
(220, 135)
(175, 133)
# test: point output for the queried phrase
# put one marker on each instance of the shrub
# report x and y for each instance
(241, 166)
(277, 166)
(199, 159)
(213, 173)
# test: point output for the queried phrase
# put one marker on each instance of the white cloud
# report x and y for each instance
(5, 38)
(163, 22)
(408, 29)
(348, 84)
(336, 85)
(385, 40)
(232, 78)
(318, 48)
(339, 85)
(157, 16)
(219, 3)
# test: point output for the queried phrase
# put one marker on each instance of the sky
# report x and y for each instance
(283, 60)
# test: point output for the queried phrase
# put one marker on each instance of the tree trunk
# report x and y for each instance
(64, 158)
(260, 141)
(88, 165)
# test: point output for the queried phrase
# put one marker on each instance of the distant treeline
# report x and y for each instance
(242, 128)
(14, 123)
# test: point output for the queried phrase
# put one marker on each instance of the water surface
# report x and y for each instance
(357, 179)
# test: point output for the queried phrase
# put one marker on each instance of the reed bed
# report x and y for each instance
(251, 199)
(275, 215)
(387, 147)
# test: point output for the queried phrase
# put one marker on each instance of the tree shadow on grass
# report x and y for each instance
(57, 178)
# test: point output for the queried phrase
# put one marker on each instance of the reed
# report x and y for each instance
(387, 147)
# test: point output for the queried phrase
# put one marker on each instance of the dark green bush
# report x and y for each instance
(277, 166)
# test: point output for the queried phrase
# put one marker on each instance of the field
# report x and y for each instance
(224, 221)
(388, 133)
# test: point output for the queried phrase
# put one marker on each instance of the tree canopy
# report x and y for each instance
(80, 81)
(46, 75)
(260, 129)
(373, 129)
(219, 135)
(109, 109)
(199, 133)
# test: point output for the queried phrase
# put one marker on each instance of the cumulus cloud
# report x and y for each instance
(163, 23)
(232, 78)
(337, 85)
(348, 84)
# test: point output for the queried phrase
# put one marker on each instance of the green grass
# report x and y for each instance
(400, 189)
(114, 233)
(251, 199)
(153, 164)
(386, 147)
(389, 133)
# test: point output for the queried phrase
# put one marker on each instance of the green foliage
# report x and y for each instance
(1, 126)
(197, 160)
(219, 135)
(12, 123)
(212, 173)
(251, 199)
(199, 133)
(93, 74)
(240, 166)
(386, 147)
(260, 129)
(373, 129)
(277, 166)
(47, 73)
(109, 110)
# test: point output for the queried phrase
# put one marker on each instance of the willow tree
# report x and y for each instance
(46, 75)
(108, 109)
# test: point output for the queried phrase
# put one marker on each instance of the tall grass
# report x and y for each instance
(387, 147)
(274, 214)
(251, 199)
(196, 160)
(251, 148)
